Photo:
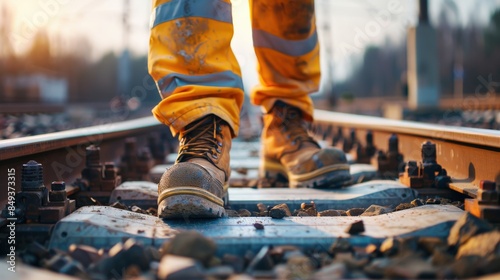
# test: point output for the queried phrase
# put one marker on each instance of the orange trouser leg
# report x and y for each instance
(192, 63)
(286, 44)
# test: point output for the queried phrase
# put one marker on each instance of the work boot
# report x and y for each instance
(289, 153)
(194, 186)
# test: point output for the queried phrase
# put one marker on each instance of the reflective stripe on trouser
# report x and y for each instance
(286, 44)
(191, 60)
(197, 73)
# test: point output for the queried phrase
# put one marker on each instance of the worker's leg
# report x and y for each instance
(200, 82)
(286, 44)
(191, 60)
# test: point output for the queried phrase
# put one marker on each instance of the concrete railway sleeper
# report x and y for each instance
(423, 203)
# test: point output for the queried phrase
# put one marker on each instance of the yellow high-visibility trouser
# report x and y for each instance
(197, 73)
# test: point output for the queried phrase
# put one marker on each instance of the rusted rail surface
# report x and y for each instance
(32, 145)
(468, 154)
(63, 153)
(49, 217)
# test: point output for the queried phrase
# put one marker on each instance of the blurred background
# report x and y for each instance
(67, 64)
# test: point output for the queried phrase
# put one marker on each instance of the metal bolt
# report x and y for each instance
(428, 152)
(353, 135)
(145, 154)
(412, 168)
(442, 181)
(393, 143)
(327, 132)
(487, 196)
(57, 191)
(130, 143)
(130, 146)
(93, 155)
(369, 138)
(109, 170)
(32, 176)
(381, 155)
(157, 148)
(487, 185)
(58, 186)
(337, 136)
(350, 142)
(340, 132)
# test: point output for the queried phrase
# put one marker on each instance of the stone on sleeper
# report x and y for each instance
(279, 211)
(328, 213)
(356, 228)
(375, 210)
(190, 244)
(355, 211)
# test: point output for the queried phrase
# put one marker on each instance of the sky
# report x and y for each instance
(354, 24)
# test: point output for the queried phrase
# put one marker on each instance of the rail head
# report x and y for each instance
(469, 155)
(25, 146)
(464, 135)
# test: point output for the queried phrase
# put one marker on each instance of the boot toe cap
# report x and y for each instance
(323, 158)
(187, 174)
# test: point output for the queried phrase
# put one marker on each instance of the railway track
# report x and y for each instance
(411, 182)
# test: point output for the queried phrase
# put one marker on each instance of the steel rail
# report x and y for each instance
(465, 135)
(62, 154)
(468, 154)
(13, 148)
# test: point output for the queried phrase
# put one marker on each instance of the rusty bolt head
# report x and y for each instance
(428, 151)
(58, 186)
(393, 143)
(145, 153)
(412, 168)
(109, 170)
(487, 185)
(353, 135)
(487, 196)
(130, 144)
(57, 196)
(381, 155)
(369, 138)
(32, 176)
(92, 155)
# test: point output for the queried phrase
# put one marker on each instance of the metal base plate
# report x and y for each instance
(140, 193)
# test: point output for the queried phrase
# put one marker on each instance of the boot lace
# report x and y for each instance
(200, 140)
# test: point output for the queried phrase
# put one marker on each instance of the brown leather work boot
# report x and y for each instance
(291, 154)
(194, 186)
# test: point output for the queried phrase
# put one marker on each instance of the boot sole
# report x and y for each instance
(332, 177)
(189, 202)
